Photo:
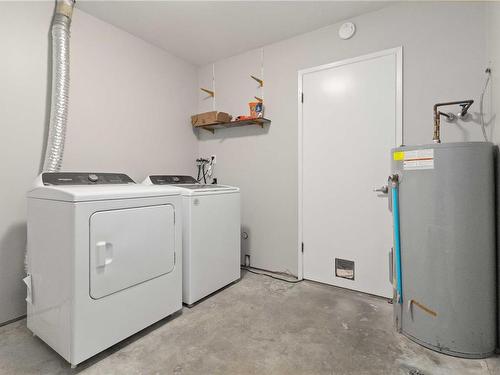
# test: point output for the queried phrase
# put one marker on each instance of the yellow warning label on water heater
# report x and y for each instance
(399, 155)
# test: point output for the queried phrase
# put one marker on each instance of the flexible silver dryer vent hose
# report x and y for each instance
(60, 85)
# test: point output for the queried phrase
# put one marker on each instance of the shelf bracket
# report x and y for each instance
(260, 82)
(208, 129)
(259, 123)
(209, 92)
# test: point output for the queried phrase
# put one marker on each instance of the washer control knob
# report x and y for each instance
(93, 177)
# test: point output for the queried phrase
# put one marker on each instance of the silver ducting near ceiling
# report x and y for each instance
(60, 85)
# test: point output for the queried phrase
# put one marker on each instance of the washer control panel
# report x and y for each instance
(172, 180)
(84, 178)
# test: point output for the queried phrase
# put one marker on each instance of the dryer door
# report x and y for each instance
(130, 246)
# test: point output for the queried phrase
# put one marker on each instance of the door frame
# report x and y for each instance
(397, 52)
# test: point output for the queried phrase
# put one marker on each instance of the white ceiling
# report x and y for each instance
(205, 31)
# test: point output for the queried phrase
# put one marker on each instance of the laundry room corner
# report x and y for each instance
(236, 187)
(162, 85)
(129, 101)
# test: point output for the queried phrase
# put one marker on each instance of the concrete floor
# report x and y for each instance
(256, 326)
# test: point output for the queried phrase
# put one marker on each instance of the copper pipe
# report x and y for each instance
(465, 104)
(437, 126)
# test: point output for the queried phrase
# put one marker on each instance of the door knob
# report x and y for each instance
(383, 189)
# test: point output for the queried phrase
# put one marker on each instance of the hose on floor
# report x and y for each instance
(268, 274)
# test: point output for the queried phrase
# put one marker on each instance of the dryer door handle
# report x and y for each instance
(104, 253)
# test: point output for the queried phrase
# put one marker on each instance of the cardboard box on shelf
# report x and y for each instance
(212, 117)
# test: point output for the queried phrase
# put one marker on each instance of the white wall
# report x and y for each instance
(444, 59)
(129, 111)
(492, 96)
(130, 104)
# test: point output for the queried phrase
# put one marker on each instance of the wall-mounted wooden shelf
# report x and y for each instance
(234, 124)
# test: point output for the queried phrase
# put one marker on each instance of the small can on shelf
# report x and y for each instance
(256, 109)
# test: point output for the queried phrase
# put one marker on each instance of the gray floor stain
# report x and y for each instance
(256, 326)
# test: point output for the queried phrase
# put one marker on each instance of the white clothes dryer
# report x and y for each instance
(104, 260)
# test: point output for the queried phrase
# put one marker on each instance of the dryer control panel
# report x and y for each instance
(85, 178)
(172, 180)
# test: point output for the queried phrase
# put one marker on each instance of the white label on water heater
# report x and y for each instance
(418, 159)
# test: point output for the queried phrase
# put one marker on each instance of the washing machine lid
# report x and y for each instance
(188, 185)
(202, 189)
(171, 179)
(81, 187)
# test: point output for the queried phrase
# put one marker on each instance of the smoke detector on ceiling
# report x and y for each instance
(347, 30)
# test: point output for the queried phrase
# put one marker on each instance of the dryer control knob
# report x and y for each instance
(93, 177)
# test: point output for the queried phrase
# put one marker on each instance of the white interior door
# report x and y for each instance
(350, 121)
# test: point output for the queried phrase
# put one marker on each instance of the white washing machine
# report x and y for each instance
(104, 260)
(211, 235)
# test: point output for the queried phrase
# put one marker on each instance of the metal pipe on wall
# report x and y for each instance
(60, 31)
(465, 104)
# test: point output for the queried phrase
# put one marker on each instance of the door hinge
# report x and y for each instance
(302, 97)
(174, 217)
(174, 258)
(302, 246)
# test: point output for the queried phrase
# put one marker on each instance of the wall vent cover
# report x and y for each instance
(344, 268)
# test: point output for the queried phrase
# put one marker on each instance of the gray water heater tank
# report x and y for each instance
(447, 230)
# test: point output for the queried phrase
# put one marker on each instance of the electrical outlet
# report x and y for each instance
(214, 159)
